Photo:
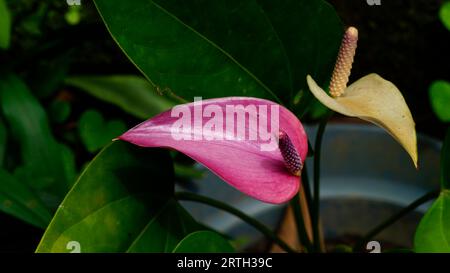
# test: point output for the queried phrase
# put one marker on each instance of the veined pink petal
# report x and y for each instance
(243, 163)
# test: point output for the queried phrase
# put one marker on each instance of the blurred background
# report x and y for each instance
(66, 57)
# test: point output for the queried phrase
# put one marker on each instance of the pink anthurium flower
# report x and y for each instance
(255, 145)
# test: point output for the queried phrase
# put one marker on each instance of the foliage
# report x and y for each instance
(440, 98)
(433, 233)
(5, 25)
(128, 205)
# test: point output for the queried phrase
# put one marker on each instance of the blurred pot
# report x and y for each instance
(365, 178)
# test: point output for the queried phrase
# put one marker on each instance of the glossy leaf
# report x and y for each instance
(134, 94)
(5, 25)
(165, 230)
(310, 32)
(17, 199)
(376, 100)
(115, 202)
(433, 233)
(95, 132)
(444, 14)
(440, 99)
(254, 166)
(41, 154)
(204, 242)
(223, 48)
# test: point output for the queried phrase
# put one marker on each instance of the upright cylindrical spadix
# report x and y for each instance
(344, 62)
(292, 159)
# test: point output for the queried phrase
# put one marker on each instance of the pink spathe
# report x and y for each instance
(242, 162)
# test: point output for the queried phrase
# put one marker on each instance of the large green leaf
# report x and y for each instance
(165, 230)
(5, 25)
(133, 94)
(223, 48)
(18, 200)
(311, 32)
(433, 233)
(118, 203)
(439, 92)
(204, 242)
(42, 156)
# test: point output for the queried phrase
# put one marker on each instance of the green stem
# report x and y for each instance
(187, 196)
(305, 185)
(315, 217)
(391, 220)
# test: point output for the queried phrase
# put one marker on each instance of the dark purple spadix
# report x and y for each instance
(292, 159)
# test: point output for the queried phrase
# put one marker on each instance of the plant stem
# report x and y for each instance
(305, 185)
(187, 196)
(391, 220)
(316, 201)
(301, 221)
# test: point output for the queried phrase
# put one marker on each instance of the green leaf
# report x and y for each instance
(60, 110)
(445, 162)
(114, 202)
(222, 48)
(189, 46)
(311, 33)
(204, 242)
(41, 154)
(33, 23)
(165, 230)
(439, 92)
(444, 14)
(68, 160)
(17, 199)
(5, 25)
(433, 233)
(134, 94)
(95, 132)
